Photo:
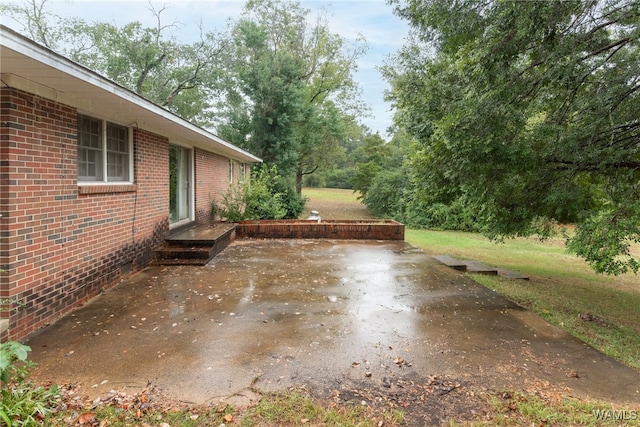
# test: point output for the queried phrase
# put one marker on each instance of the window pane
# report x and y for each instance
(89, 149)
(89, 164)
(117, 153)
(98, 146)
(118, 167)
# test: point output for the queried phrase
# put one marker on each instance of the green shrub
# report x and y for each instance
(232, 208)
(14, 366)
(457, 215)
(340, 178)
(266, 196)
(262, 200)
(23, 404)
(293, 202)
(315, 180)
(384, 196)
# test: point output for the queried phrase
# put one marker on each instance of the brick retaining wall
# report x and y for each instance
(326, 229)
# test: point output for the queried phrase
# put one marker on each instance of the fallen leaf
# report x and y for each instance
(228, 418)
(85, 418)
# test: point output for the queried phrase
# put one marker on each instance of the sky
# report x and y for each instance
(373, 19)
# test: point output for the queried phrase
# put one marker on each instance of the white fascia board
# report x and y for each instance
(11, 40)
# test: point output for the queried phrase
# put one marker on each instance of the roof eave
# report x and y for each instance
(74, 81)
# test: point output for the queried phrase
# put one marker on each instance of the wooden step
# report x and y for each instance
(195, 246)
(177, 252)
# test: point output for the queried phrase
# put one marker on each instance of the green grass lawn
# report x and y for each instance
(561, 286)
(334, 203)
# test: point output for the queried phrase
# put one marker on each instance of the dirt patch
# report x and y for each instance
(424, 401)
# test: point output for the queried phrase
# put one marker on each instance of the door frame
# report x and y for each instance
(190, 186)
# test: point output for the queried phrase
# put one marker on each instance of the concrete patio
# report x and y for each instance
(271, 314)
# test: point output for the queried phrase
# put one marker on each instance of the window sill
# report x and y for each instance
(106, 188)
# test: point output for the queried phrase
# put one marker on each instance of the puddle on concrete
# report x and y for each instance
(290, 312)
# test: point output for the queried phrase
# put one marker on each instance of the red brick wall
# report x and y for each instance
(212, 181)
(60, 245)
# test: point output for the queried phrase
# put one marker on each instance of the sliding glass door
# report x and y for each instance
(179, 184)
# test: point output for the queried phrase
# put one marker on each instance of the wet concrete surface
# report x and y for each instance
(277, 313)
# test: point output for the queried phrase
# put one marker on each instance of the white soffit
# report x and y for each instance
(36, 69)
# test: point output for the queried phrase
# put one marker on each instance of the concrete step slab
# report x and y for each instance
(480, 268)
(451, 262)
(471, 266)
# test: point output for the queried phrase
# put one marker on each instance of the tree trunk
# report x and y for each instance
(299, 175)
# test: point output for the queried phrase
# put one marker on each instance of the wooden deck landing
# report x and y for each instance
(201, 232)
(195, 245)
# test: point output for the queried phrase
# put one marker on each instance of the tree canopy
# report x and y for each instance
(291, 96)
(182, 77)
(530, 113)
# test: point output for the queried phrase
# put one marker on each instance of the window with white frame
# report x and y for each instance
(243, 172)
(230, 171)
(104, 151)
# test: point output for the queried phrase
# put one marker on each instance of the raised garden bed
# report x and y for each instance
(326, 229)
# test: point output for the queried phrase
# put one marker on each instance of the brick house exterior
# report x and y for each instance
(85, 173)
